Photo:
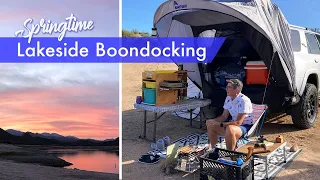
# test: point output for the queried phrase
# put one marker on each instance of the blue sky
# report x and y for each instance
(70, 99)
(139, 14)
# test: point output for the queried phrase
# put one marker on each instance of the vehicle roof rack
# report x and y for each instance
(299, 27)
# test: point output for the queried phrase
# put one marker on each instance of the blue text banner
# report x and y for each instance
(109, 50)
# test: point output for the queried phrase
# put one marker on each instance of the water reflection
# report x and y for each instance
(90, 160)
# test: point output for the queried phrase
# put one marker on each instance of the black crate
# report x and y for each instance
(221, 171)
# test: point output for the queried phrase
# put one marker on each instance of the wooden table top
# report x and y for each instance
(271, 148)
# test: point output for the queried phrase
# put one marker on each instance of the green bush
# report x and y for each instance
(134, 33)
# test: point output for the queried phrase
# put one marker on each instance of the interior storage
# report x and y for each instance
(238, 59)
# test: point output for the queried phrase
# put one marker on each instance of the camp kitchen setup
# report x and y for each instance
(253, 52)
(255, 157)
(164, 87)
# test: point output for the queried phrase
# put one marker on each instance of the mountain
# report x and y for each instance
(15, 132)
(28, 138)
(7, 137)
(53, 136)
(114, 142)
(58, 137)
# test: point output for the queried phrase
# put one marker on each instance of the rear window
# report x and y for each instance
(313, 43)
(318, 37)
(295, 40)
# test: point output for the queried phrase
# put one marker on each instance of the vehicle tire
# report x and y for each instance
(304, 114)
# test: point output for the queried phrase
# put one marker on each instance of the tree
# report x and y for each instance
(134, 33)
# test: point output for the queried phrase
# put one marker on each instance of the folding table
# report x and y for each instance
(184, 105)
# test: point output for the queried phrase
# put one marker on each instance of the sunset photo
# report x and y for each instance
(64, 105)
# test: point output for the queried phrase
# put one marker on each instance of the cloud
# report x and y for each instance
(105, 16)
(82, 128)
(32, 96)
(72, 124)
(44, 75)
(35, 97)
(112, 121)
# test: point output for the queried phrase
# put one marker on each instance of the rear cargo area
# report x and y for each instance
(238, 59)
(252, 39)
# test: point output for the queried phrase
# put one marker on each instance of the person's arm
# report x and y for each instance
(225, 113)
(237, 122)
(223, 117)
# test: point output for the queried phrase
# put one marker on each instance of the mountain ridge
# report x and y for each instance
(12, 136)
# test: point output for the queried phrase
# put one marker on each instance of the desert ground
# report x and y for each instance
(305, 166)
(22, 163)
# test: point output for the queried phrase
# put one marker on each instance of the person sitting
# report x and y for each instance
(239, 107)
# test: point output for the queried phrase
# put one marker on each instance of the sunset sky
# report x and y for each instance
(69, 99)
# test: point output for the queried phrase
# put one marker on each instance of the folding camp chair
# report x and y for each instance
(259, 113)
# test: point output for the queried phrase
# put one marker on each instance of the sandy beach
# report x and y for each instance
(305, 166)
(20, 163)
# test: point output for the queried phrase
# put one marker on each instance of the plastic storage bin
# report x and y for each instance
(256, 73)
(149, 95)
(219, 170)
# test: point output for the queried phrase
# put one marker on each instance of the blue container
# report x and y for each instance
(149, 95)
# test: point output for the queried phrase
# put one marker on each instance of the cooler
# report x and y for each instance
(256, 73)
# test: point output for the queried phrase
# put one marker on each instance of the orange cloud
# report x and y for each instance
(78, 111)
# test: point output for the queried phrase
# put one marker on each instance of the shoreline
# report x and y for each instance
(48, 147)
(13, 170)
(36, 158)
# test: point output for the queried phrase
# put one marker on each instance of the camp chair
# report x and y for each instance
(259, 113)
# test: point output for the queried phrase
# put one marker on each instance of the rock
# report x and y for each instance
(163, 168)
(170, 169)
(279, 139)
(294, 148)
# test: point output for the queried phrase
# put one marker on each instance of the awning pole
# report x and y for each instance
(265, 89)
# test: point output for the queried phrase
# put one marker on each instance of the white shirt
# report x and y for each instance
(241, 104)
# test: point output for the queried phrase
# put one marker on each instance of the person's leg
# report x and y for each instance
(214, 130)
(232, 134)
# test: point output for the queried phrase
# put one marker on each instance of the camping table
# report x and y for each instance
(184, 105)
(265, 156)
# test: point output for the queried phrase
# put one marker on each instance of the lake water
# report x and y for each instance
(90, 160)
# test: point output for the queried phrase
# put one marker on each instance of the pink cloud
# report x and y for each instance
(52, 110)
(14, 15)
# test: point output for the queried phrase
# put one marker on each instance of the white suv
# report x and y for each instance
(255, 31)
(306, 47)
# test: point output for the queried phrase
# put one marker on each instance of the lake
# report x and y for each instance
(90, 160)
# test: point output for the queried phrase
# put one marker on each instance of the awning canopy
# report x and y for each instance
(259, 21)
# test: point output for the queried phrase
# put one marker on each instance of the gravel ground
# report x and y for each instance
(305, 166)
